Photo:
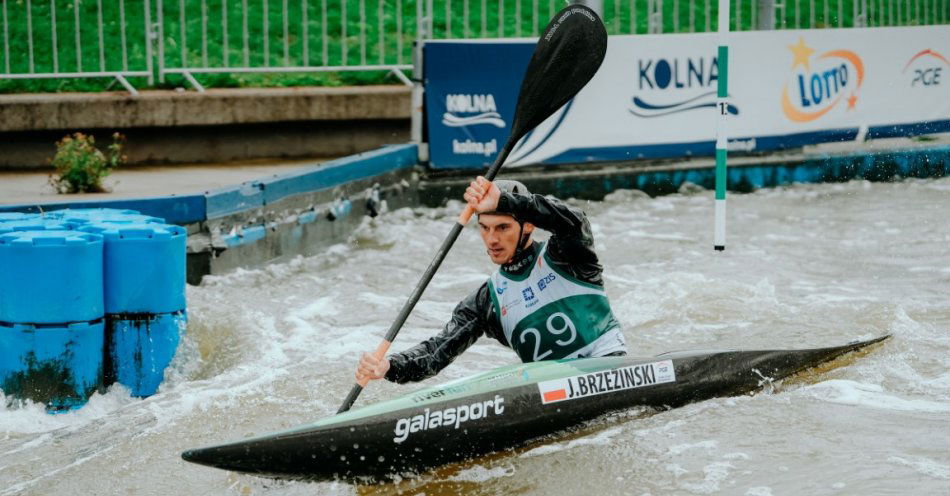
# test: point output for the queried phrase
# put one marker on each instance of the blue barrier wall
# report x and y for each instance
(189, 209)
(255, 194)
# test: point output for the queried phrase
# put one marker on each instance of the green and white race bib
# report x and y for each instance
(548, 315)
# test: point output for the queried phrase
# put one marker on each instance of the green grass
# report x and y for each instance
(204, 43)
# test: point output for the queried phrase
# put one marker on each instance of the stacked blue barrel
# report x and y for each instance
(90, 297)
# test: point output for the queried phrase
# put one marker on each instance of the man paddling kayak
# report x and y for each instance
(546, 301)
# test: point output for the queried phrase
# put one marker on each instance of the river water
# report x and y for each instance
(805, 266)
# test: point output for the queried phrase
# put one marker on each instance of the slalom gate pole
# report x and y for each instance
(722, 141)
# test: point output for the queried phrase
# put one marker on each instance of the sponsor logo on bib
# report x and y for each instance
(528, 294)
(607, 381)
(548, 279)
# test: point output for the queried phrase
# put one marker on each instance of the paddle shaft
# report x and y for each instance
(383, 347)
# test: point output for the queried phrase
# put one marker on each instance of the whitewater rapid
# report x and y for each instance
(805, 266)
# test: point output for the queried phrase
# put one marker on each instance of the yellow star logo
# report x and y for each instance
(852, 100)
(801, 53)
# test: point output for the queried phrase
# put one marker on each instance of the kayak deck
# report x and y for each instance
(502, 409)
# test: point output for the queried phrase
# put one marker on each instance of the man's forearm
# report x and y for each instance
(429, 357)
(549, 214)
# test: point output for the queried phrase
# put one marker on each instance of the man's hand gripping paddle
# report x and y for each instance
(567, 56)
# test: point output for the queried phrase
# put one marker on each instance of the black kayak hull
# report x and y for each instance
(502, 409)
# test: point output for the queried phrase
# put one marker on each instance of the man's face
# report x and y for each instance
(500, 234)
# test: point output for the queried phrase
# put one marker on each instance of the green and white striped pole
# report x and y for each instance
(721, 141)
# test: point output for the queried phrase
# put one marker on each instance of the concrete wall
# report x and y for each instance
(216, 126)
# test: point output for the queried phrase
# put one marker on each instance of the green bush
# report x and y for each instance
(80, 166)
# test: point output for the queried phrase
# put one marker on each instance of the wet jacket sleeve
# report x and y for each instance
(571, 246)
(471, 318)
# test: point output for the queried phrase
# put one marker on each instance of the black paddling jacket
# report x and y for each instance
(570, 248)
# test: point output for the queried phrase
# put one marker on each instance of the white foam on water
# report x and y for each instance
(759, 491)
(602, 438)
(736, 456)
(18, 488)
(849, 392)
(942, 381)
(924, 466)
(351, 342)
(462, 280)
(436, 312)
(663, 203)
(38, 441)
(658, 236)
(714, 475)
(32, 418)
(938, 186)
(676, 469)
(781, 237)
(905, 326)
(834, 299)
(325, 306)
(626, 196)
(704, 445)
(479, 473)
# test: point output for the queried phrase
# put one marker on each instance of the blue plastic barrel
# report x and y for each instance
(144, 267)
(51, 277)
(110, 217)
(139, 348)
(38, 224)
(11, 216)
(89, 212)
(90, 215)
(57, 365)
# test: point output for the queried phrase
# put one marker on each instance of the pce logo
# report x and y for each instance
(820, 82)
(924, 73)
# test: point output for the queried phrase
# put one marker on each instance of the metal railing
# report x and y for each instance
(44, 39)
(285, 36)
(517, 18)
(153, 39)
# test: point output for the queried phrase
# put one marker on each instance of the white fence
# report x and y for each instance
(286, 36)
(44, 40)
(152, 39)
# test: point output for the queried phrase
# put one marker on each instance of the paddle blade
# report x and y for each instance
(568, 55)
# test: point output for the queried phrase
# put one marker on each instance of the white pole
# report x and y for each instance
(722, 107)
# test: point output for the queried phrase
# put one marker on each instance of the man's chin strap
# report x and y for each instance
(522, 241)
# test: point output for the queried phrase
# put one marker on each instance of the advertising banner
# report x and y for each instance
(654, 97)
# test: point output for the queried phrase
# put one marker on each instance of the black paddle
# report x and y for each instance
(569, 52)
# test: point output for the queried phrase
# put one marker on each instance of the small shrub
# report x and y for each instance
(80, 166)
